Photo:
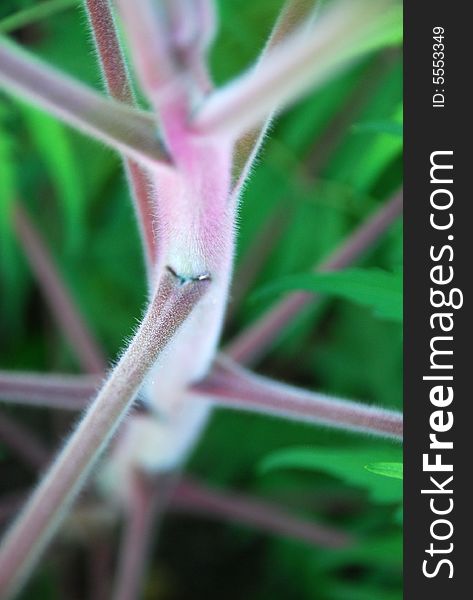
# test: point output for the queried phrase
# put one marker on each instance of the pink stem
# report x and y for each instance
(193, 497)
(64, 310)
(251, 343)
(118, 85)
(68, 392)
(147, 498)
(23, 442)
(169, 308)
(232, 386)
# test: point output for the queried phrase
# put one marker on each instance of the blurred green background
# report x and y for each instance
(329, 162)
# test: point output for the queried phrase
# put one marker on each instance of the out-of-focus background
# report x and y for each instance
(329, 162)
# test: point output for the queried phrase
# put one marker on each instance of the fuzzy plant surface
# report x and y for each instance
(259, 144)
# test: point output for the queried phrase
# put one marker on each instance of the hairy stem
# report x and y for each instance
(147, 498)
(195, 498)
(344, 32)
(171, 305)
(231, 386)
(128, 130)
(293, 15)
(63, 308)
(252, 342)
(67, 392)
(118, 84)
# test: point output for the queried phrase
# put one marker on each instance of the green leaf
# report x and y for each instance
(54, 146)
(394, 470)
(35, 13)
(389, 127)
(346, 464)
(10, 267)
(377, 289)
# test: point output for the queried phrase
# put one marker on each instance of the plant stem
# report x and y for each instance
(343, 33)
(252, 342)
(231, 386)
(293, 14)
(118, 84)
(128, 130)
(147, 498)
(67, 392)
(170, 306)
(197, 499)
(63, 308)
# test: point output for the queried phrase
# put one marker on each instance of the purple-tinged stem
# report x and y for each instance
(118, 84)
(110, 54)
(23, 442)
(150, 35)
(169, 308)
(147, 498)
(67, 392)
(128, 130)
(344, 32)
(292, 16)
(63, 308)
(234, 387)
(252, 342)
(194, 498)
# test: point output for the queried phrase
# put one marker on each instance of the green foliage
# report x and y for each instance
(387, 469)
(374, 288)
(52, 144)
(329, 162)
(348, 464)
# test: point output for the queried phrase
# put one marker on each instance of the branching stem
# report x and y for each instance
(234, 387)
(170, 306)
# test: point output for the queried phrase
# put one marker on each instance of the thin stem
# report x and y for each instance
(150, 35)
(146, 498)
(128, 130)
(63, 308)
(23, 442)
(118, 84)
(231, 386)
(195, 498)
(170, 306)
(252, 342)
(110, 54)
(67, 392)
(343, 33)
(293, 15)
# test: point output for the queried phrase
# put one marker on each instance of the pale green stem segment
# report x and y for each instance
(118, 84)
(344, 32)
(127, 130)
(170, 306)
(293, 15)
